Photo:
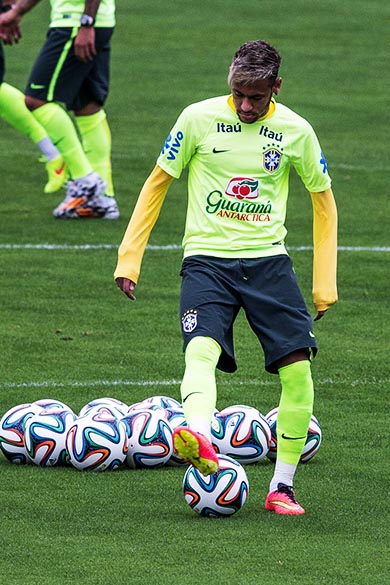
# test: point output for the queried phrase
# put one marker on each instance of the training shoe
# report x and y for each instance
(282, 501)
(196, 449)
(85, 198)
(57, 174)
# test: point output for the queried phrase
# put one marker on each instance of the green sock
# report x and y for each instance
(15, 112)
(62, 131)
(198, 388)
(295, 410)
(96, 137)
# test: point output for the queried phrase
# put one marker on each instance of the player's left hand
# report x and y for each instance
(319, 315)
(84, 44)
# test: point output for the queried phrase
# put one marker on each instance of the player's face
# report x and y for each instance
(252, 101)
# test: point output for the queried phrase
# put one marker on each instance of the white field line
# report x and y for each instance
(157, 383)
(168, 247)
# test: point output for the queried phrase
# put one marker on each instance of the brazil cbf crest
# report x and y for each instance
(271, 159)
(189, 320)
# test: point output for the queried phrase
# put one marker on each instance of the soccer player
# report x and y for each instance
(13, 110)
(239, 149)
(73, 68)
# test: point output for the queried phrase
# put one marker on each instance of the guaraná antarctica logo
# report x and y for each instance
(243, 188)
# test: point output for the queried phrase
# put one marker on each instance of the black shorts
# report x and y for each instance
(215, 289)
(2, 63)
(58, 76)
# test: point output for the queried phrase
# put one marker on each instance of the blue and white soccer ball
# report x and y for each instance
(45, 436)
(221, 494)
(12, 426)
(176, 418)
(149, 439)
(50, 403)
(313, 441)
(118, 404)
(97, 441)
(241, 432)
(156, 401)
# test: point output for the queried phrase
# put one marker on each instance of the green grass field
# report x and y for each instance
(68, 333)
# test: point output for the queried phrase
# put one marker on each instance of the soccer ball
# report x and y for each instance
(45, 436)
(97, 441)
(12, 426)
(176, 418)
(149, 439)
(313, 441)
(159, 401)
(220, 494)
(241, 432)
(104, 410)
(50, 403)
(119, 405)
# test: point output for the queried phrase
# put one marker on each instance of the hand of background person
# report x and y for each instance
(10, 31)
(127, 286)
(84, 44)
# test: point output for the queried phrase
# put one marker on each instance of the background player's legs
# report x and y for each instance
(96, 139)
(59, 126)
(14, 111)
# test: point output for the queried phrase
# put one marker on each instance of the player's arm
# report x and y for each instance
(141, 223)
(84, 43)
(325, 251)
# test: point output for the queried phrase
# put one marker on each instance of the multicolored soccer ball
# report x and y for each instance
(221, 494)
(50, 403)
(149, 439)
(241, 432)
(45, 436)
(118, 404)
(12, 426)
(159, 401)
(313, 441)
(97, 441)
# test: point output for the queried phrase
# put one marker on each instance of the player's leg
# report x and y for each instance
(199, 394)
(14, 111)
(294, 413)
(207, 334)
(284, 328)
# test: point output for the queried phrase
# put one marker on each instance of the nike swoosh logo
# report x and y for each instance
(292, 438)
(217, 151)
(190, 394)
(59, 171)
(36, 86)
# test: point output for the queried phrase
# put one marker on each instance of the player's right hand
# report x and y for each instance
(127, 286)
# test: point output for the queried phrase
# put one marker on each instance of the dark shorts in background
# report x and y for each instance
(215, 289)
(57, 75)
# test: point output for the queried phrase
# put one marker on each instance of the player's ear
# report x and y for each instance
(277, 86)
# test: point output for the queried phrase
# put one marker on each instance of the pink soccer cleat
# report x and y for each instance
(282, 501)
(196, 449)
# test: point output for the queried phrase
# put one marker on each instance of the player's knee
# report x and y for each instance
(203, 349)
(33, 103)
